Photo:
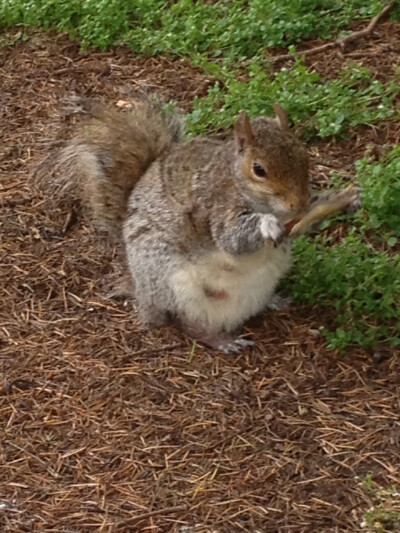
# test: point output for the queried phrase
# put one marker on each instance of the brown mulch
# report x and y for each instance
(106, 427)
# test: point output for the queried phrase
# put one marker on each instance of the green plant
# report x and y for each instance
(355, 277)
(232, 30)
(381, 185)
(382, 520)
(319, 107)
(384, 515)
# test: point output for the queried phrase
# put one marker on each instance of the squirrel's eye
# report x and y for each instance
(259, 171)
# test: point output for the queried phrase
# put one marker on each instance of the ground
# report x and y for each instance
(109, 427)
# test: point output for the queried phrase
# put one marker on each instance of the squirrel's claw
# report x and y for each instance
(236, 346)
(221, 342)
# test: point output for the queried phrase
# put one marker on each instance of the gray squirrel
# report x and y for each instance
(202, 221)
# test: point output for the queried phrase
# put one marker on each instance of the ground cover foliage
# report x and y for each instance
(360, 275)
(232, 30)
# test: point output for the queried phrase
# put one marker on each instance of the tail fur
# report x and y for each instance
(110, 152)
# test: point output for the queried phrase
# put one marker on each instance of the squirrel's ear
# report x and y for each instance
(281, 117)
(244, 131)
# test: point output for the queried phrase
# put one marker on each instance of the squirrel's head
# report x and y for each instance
(273, 164)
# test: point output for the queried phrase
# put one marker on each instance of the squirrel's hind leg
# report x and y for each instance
(151, 310)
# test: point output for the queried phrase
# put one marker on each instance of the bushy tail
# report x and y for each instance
(110, 152)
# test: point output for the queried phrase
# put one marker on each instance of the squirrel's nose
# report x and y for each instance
(296, 206)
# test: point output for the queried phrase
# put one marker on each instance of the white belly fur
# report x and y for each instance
(248, 280)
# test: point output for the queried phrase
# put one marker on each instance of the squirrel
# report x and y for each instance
(202, 220)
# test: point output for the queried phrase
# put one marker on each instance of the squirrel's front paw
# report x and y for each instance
(271, 229)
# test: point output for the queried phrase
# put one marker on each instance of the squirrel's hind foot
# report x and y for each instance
(225, 343)
(236, 346)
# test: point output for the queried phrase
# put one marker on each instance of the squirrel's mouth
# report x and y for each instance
(285, 217)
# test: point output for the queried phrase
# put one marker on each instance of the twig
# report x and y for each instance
(70, 220)
(344, 41)
(336, 202)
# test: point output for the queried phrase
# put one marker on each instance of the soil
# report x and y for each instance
(109, 427)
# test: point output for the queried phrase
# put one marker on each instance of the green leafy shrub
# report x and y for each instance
(381, 196)
(95, 22)
(323, 108)
(356, 278)
(231, 29)
(361, 284)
